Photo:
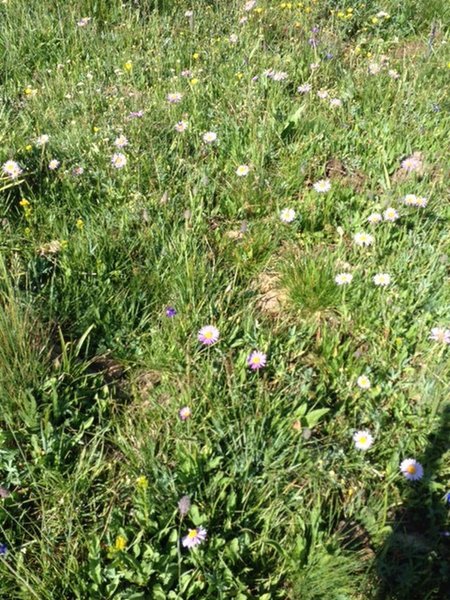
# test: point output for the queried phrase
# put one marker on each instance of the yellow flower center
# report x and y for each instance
(208, 335)
(192, 534)
(362, 439)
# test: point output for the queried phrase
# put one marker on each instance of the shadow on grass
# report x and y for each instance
(414, 562)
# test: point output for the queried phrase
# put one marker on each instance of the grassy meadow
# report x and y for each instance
(224, 300)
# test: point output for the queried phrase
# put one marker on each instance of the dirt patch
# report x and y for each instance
(271, 297)
(336, 170)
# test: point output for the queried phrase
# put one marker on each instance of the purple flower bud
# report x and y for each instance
(184, 505)
(170, 311)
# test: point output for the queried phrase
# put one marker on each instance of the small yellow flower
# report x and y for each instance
(79, 224)
(120, 543)
(369, 54)
(29, 92)
(128, 66)
(340, 14)
(28, 147)
(142, 482)
(194, 81)
(239, 76)
(96, 129)
(374, 20)
(24, 203)
(259, 10)
(448, 65)
(196, 56)
(308, 9)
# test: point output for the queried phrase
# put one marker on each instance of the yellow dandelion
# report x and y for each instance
(120, 543)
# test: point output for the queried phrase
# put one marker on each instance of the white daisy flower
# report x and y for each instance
(382, 279)
(322, 186)
(242, 170)
(363, 239)
(363, 382)
(118, 160)
(411, 469)
(287, 215)
(375, 218)
(390, 214)
(363, 440)
(343, 278)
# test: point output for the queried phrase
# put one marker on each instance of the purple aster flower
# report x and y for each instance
(184, 504)
(3, 549)
(313, 42)
(185, 413)
(194, 537)
(257, 360)
(170, 311)
(136, 114)
(447, 497)
(208, 335)
(328, 55)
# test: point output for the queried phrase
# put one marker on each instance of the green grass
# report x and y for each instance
(93, 455)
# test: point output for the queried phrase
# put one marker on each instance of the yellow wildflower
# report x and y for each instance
(79, 224)
(24, 203)
(142, 482)
(194, 81)
(196, 56)
(28, 147)
(120, 543)
(128, 66)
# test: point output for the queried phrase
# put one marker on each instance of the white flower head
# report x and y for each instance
(363, 239)
(287, 215)
(382, 279)
(121, 142)
(250, 5)
(209, 137)
(11, 169)
(322, 186)
(335, 102)
(42, 140)
(363, 382)
(411, 469)
(440, 334)
(174, 97)
(374, 218)
(390, 214)
(53, 164)
(242, 170)
(363, 440)
(181, 126)
(343, 278)
(118, 160)
(305, 88)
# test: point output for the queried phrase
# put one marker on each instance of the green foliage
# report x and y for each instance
(94, 456)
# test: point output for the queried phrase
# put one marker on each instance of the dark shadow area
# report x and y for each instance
(414, 562)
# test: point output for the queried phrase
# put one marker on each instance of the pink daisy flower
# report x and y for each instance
(257, 360)
(208, 335)
(194, 537)
(184, 413)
